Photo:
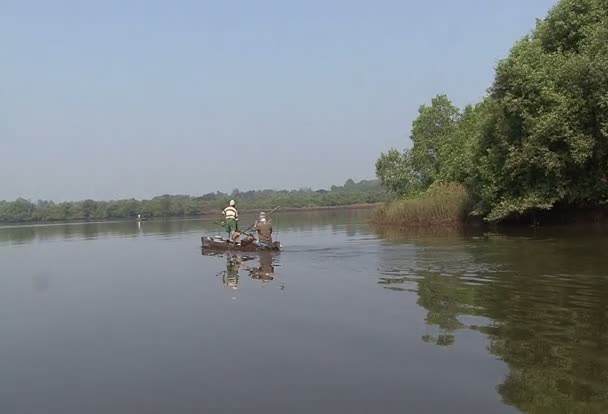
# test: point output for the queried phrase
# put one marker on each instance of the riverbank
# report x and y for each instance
(203, 215)
(450, 206)
(350, 194)
(357, 206)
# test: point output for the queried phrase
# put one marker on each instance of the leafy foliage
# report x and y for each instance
(417, 168)
(538, 140)
(431, 131)
(396, 172)
(546, 141)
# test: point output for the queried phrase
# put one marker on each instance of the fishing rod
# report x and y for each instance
(267, 215)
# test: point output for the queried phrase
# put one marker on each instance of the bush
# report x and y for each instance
(443, 204)
(538, 141)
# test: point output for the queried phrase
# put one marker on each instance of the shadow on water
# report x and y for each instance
(539, 297)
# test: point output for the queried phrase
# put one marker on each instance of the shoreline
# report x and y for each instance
(204, 215)
(359, 206)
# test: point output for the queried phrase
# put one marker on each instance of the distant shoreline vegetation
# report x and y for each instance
(364, 192)
(534, 149)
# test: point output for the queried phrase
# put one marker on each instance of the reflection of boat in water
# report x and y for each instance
(235, 262)
(230, 276)
(247, 245)
(265, 269)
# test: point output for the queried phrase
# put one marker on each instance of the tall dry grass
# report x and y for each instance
(443, 204)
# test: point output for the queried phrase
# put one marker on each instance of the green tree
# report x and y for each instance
(417, 168)
(546, 143)
(397, 173)
(539, 140)
(431, 130)
(88, 209)
(458, 152)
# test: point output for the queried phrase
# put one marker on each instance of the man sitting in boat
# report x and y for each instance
(264, 229)
(231, 219)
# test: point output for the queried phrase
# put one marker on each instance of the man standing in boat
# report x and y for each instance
(231, 219)
(264, 229)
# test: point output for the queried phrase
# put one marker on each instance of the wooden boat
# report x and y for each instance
(247, 245)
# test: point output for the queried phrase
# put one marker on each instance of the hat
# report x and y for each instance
(232, 202)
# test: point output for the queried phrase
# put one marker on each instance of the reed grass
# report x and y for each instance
(443, 204)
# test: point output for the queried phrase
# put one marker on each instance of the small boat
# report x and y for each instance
(247, 245)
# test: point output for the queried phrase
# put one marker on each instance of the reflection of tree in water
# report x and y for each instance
(433, 275)
(547, 300)
(554, 336)
(442, 299)
(17, 235)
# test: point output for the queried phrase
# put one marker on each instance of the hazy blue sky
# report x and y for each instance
(114, 99)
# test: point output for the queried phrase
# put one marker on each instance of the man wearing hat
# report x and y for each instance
(264, 229)
(231, 219)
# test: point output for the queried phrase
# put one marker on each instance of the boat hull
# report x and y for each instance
(218, 244)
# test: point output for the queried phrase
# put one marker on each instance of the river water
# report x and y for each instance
(130, 317)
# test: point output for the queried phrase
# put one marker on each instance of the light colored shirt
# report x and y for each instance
(231, 213)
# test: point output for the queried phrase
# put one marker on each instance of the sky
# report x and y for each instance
(119, 99)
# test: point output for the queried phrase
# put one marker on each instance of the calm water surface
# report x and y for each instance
(132, 318)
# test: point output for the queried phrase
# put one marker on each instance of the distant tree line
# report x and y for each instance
(23, 211)
(539, 139)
